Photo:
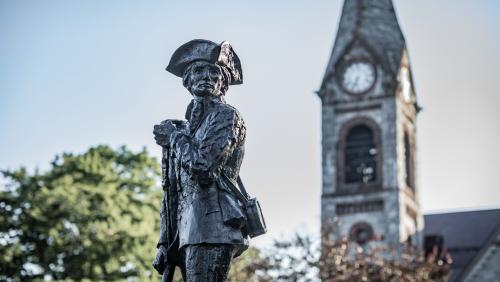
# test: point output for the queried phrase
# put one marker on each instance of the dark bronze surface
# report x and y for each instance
(202, 222)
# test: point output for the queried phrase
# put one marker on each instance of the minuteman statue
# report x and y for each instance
(203, 220)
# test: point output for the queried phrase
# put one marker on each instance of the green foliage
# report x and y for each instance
(91, 216)
(94, 217)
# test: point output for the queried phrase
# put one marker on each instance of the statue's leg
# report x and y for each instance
(166, 278)
(173, 270)
(208, 262)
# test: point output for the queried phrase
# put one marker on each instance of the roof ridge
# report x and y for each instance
(463, 210)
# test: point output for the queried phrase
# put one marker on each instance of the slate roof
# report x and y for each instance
(465, 234)
(375, 24)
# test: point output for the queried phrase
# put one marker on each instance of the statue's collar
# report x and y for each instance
(200, 107)
(211, 101)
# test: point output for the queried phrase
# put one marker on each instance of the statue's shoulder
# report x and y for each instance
(229, 111)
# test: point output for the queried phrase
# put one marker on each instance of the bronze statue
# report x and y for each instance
(205, 218)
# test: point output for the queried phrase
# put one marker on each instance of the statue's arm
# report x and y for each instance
(224, 132)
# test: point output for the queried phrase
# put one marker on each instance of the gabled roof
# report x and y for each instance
(464, 233)
(375, 24)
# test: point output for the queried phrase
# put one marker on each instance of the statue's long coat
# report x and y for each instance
(197, 206)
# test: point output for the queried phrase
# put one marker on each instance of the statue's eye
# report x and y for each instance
(214, 72)
(197, 70)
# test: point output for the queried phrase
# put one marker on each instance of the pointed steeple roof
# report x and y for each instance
(374, 23)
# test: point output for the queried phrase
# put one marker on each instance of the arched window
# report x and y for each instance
(409, 167)
(360, 155)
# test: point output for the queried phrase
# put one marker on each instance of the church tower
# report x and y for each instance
(369, 111)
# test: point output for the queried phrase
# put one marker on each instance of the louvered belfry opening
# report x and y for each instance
(360, 155)
(408, 162)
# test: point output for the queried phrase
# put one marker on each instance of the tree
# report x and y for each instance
(90, 216)
(303, 259)
(94, 216)
(250, 266)
(345, 260)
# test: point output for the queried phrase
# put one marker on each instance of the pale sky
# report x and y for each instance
(74, 74)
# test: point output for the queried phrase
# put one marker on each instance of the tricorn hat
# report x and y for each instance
(205, 50)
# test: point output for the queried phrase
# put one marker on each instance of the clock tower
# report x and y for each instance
(369, 111)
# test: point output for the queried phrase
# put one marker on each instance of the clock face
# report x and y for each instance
(358, 77)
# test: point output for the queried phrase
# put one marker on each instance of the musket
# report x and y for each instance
(166, 262)
(168, 229)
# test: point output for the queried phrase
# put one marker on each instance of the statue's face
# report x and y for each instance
(205, 79)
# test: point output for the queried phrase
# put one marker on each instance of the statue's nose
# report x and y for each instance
(204, 76)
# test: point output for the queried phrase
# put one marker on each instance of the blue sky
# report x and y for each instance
(74, 74)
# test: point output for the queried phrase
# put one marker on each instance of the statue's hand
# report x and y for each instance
(163, 130)
(160, 261)
(161, 135)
